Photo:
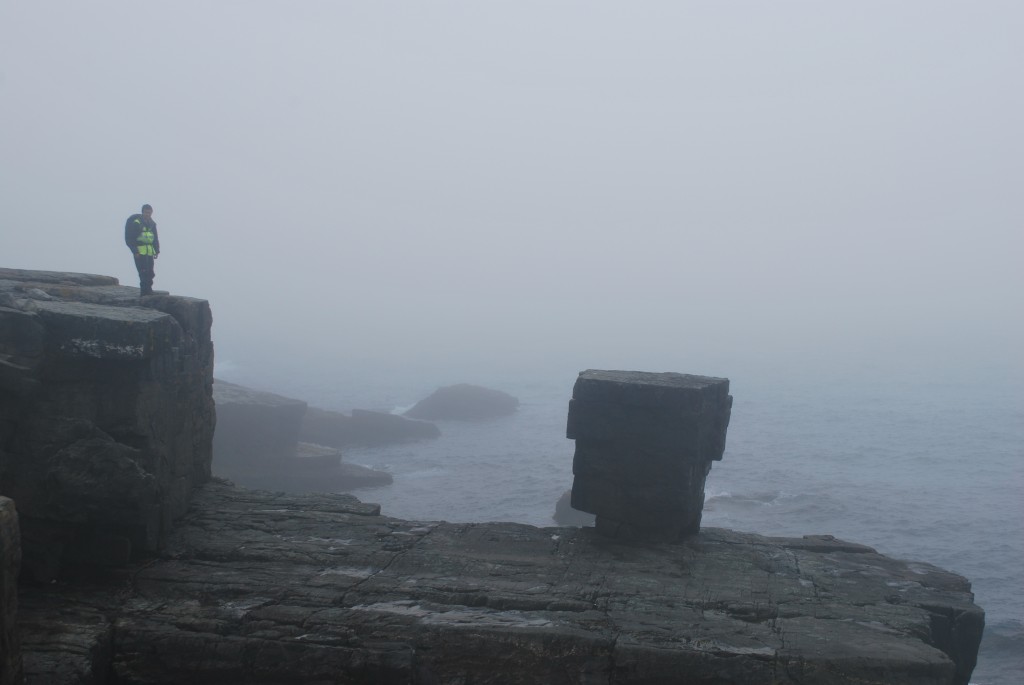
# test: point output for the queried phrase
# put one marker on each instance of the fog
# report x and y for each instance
(455, 187)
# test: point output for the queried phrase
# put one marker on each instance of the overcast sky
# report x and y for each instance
(686, 186)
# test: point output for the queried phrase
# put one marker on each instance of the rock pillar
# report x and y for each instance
(644, 447)
(10, 561)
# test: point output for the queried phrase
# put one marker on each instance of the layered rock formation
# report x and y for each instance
(464, 402)
(257, 445)
(644, 447)
(261, 588)
(107, 416)
(255, 429)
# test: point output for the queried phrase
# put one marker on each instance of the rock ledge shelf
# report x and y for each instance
(257, 587)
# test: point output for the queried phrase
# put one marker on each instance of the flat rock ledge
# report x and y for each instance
(257, 587)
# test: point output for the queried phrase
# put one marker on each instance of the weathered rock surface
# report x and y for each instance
(67, 632)
(464, 402)
(263, 588)
(255, 429)
(362, 429)
(10, 563)
(257, 445)
(644, 447)
(106, 418)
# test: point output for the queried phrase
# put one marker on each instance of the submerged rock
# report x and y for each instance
(464, 403)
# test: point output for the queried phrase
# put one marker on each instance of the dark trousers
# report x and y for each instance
(144, 265)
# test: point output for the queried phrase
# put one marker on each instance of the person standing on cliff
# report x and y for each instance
(141, 238)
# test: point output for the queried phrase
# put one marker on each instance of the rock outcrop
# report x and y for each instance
(262, 588)
(644, 447)
(464, 402)
(257, 445)
(107, 415)
(255, 429)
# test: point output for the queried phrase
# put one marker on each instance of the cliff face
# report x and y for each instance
(107, 415)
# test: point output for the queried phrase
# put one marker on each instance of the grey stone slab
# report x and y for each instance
(677, 391)
(103, 332)
(265, 588)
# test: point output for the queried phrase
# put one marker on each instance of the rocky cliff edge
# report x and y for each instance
(105, 435)
(106, 415)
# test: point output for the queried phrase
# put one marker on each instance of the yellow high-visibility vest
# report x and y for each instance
(145, 240)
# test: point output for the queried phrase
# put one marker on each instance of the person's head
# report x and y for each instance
(147, 211)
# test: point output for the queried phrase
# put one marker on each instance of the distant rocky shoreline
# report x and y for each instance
(137, 567)
(266, 440)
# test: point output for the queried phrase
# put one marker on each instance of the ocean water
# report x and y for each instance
(924, 466)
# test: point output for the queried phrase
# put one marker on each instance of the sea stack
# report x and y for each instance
(644, 447)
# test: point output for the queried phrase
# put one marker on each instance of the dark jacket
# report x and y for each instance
(132, 229)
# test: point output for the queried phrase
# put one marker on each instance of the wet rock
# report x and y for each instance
(67, 632)
(266, 588)
(464, 403)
